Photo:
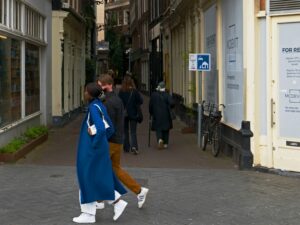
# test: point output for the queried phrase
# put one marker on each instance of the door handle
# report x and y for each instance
(272, 112)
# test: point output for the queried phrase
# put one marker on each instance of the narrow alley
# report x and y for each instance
(187, 186)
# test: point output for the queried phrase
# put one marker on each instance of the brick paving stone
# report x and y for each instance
(187, 186)
(47, 195)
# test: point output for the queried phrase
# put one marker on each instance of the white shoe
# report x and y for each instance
(100, 205)
(119, 208)
(160, 144)
(165, 146)
(142, 197)
(85, 218)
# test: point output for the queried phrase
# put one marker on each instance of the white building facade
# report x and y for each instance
(255, 49)
(25, 66)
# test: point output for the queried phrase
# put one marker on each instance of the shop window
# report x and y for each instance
(10, 80)
(3, 5)
(32, 79)
(17, 15)
(34, 24)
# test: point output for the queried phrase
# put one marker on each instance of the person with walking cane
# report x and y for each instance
(160, 110)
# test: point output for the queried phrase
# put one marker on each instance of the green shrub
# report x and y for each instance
(34, 132)
(14, 145)
(31, 133)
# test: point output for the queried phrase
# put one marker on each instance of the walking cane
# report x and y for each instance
(149, 131)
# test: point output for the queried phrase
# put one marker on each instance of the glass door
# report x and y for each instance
(285, 102)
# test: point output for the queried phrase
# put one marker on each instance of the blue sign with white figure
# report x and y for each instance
(203, 62)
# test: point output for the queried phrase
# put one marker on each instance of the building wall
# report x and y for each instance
(140, 42)
(100, 21)
(68, 68)
(28, 73)
(255, 83)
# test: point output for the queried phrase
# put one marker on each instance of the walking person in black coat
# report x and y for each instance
(132, 101)
(160, 110)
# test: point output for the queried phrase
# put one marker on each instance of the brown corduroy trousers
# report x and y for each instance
(124, 177)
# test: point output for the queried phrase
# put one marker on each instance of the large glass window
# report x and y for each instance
(17, 15)
(3, 7)
(32, 79)
(34, 23)
(10, 80)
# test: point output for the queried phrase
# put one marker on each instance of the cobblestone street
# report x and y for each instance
(187, 186)
(47, 195)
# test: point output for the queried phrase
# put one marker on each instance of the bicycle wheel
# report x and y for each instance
(204, 137)
(216, 141)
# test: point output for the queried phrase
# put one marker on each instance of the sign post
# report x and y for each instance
(200, 62)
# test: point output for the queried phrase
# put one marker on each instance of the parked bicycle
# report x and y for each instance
(211, 127)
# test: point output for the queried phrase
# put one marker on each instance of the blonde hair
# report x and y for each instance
(106, 79)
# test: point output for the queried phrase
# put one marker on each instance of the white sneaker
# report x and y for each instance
(165, 146)
(119, 208)
(142, 197)
(85, 218)
(160, 144)
(100, 205)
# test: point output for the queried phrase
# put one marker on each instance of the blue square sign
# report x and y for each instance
(203, 62)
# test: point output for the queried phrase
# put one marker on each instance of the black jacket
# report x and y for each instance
(160, 109)
(131, 103)
(115, 110)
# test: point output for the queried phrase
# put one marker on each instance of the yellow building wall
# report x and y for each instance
(66, 27)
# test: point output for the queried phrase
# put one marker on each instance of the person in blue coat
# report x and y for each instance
(96, 178)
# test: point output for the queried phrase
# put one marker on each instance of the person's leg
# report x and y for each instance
(119, 205)
(166, 138)
(133, 127)
(88, 212)
(159, 136)
(124, 177)
(126, 137)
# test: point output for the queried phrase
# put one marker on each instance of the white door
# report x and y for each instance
(285, 102)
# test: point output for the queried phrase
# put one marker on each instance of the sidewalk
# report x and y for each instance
(183, 152)
(47, 195)
(187, 186)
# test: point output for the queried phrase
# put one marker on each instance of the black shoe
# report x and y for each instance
(134, 150)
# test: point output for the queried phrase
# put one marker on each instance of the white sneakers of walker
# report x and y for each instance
(119, 208)
(142, 197)
(84, 218)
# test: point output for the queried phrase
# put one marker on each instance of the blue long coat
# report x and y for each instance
(96, 178)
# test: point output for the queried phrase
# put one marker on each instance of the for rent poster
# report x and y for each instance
(289, 79)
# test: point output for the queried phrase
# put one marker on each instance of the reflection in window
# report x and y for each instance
(32, 79)
(10, 80)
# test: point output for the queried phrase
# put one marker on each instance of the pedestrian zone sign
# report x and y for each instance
(199, 62)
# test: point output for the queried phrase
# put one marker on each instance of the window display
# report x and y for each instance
(10, 80)
(32, 79)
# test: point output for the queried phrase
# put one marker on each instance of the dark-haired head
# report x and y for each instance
(92, 91)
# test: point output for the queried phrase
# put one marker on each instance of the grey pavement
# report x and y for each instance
(187, 186)
(60, 149)
(47, 195)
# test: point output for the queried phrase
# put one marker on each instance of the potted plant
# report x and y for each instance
(20, 146)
